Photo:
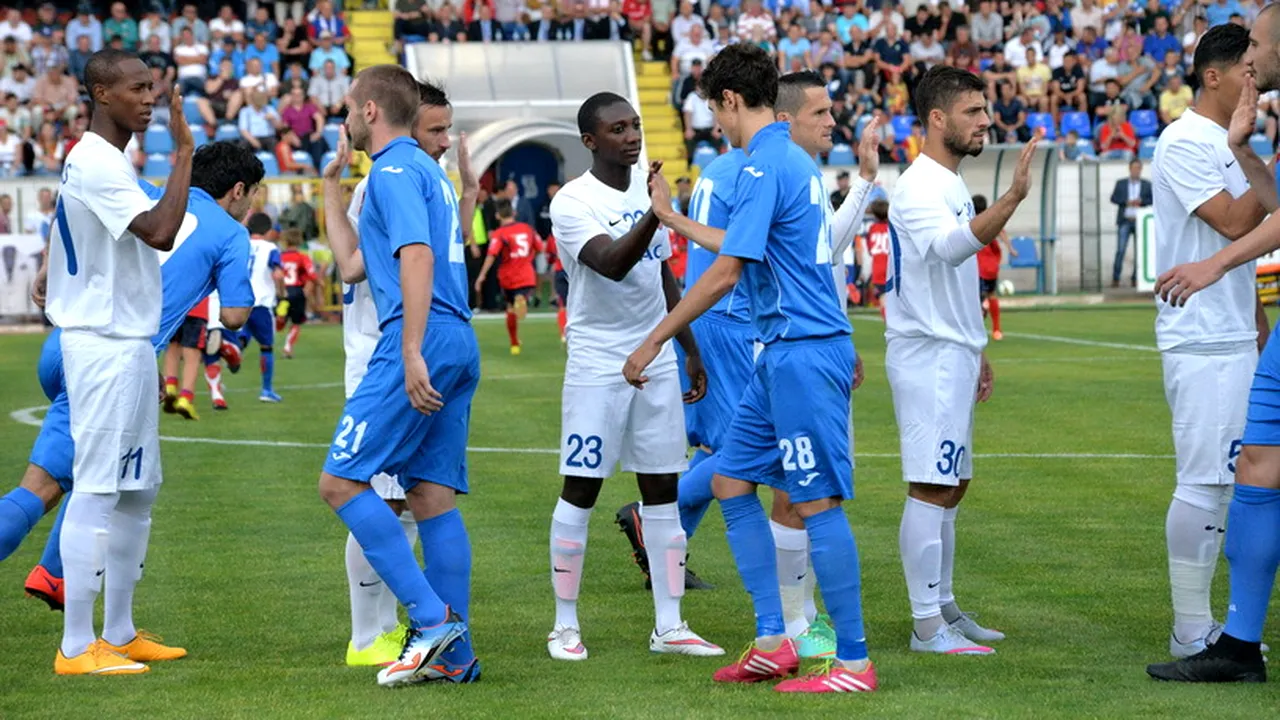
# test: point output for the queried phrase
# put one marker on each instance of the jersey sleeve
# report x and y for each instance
(920, 217)
(400, 195)
(273, 260)
(112, 194)
(1195, 177)
(154, 192)
(353, 208)
(574, 224)
(232, 271)
(755, 198)
(495, 244)
(308, 269)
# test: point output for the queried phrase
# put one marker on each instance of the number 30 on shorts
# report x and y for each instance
(951, 457)
(584, 451)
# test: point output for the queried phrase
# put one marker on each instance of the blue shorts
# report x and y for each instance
(728, 350)
(380, 431)
(791, 430)
(50, 368)
(261, 327)
(54, 450)
(1262, 426)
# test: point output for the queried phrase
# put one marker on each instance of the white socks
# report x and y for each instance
(794, 577)
(920, 542)
(568, 550)
(126, 552)
(666, 546)
(373, 607)
(1194, 530)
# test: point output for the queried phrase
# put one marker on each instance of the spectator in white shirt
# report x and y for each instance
(696, 47)
(328, 89)
(927, 50)
(20, 83)
(756, 18)
(226, 24)
(1015, 51)
(888, 14)
(10, 145)
(699, 123)
(684, 21)
(255, 78)
(1087, 14)
(192, 60)
(154, 24)
(13, 26)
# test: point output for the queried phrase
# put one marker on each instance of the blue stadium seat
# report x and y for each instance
(331, 135)
(156, 140)
(704, 154)
(841, 155)
(157, 166)
(1261, 145)
(192, 110)
(269, 164)
(902, 126)
(199, 135)
(1028, 257)
(303, 158)
(227, 131)
(1147, 148)
(1079, 122)
(984, 63)
(1086, 148)
(1042, 120)
(1145, 123)
(330, 157)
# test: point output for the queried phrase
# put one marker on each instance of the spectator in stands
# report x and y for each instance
(20, 83)
(816, 20)
(684, 21)
(892, 52)
(263, 51)
(156, 57)
(470, 7)
(1190, 40)
(696, 47)
(699, 124)
(507, 13)
(1058, 17)
(57, 92)
(962, 46)
(261, 24)
(14, 27)
(1172, 66)
(639, 14)
(611, 26)
(16, 117)
(323, 20)
(294, 46)
(1068, 87)
(1220, 12)
(1058, 48)
(154, 24)
(159, 113)
(997, 73)
(327, 90)
(1116, 138)
(484, 28)
(921, 24)
(988, 29)
(12, 55)
(1100, 73)
(230, 51)
(190, 18)
(888, 144)
(1015, 51)
(793, 50)
(257, 78)
(1175, 100)
(447, 27)
(283, 150)
(1160, 41)
(222, 98)
(192, 60)
(10, 147)
(226, 24)
(412, 18)
(300, 215)
(1033, 82)
(926, 52)
(888, 14)
(1138, 76)
(296, 72)
(897, 97)
(46, 151)
(1129, 194)
(1128, 41)
(258, 122)
(79, 57)
(1069, 148)
(1087, 15)
(848, 19)
(327, 52)
(307, 122)
(85, 24)
(46, 20)
(121, 25)
(836, 87)
(754, 18)
(1110, 100)
(688, 85)
(6, 208)
(914, 142)
(43, 56)
(1091, 47)
(1009, 117)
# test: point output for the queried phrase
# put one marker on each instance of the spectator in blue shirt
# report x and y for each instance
(1160, 42)
(264, 51)
(85, 24)
(229, 51)
(793, 48)
(326, 52)
(1091, 46)
(258, 122)
(1220, 12)
(261, 24)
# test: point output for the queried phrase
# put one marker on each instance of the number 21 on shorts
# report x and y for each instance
(348, 425)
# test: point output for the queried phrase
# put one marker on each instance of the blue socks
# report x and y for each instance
(20, 510)
(447, 551)
(377, 529)
(1253, 552)
(267, 363)
(52, 557)
(834, 555)
(694, 494)
(750, 540)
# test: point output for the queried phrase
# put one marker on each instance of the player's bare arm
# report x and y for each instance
(470, 189)
(417, 273)
(693, 357)
(615, 258)
(660, 195)
(41, 285)
(484, 271)
(1261, 175)
(988, 225)
(986, 380)
(1264, 324)
(714, 284)
(1178, 284)
(343, 239)
(159, 226)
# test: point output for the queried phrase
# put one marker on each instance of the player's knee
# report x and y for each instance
(581, 492)
(428, 500)
(264, 349)
(783, 512)
(658, 489)
(725, 488)
(810, 508)
(940, 495)
(336, 491)
(37, 480)
(1259, 466)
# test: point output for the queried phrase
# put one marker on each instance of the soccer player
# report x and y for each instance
(409, 415)
(1210, 193)
(989, 270)
(514, 245)
(561, 281)
(186, 348)
(613, 249)
(376, 633)
(935, 337)
(791, 430)
(299, 281)
(268, 276)
(878, 249)
(211, 250)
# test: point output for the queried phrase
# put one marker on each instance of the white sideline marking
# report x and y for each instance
(29, 416)
(1051, 338)
(331, 385)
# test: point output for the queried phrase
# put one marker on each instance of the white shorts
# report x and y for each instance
(935, 385)
(354, 371)
(113, 395)
(602, 425)
(1209, 398)
(387, 487)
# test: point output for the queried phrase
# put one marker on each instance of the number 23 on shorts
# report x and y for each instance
(584, 452)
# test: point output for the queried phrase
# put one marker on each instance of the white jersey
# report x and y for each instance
(845, 224)
(928, 296)
(266, 258)
(608, 320)
(1193, 164)
(360, 330)
(102, 278)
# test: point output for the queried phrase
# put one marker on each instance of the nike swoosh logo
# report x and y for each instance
(365, 584)
(934, 584)
(1233, 162)
(99, 573)
(560, 570)
(615, 222)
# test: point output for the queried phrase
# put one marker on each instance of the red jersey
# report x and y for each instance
(989, 260)
(200, 311)
(298, 270)
(878, 248)
(515, 245)
(679, 255)
(637, 11)
(556, 265)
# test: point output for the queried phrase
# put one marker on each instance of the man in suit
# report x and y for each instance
(609, 26)
(484, 28)
(1129, 195)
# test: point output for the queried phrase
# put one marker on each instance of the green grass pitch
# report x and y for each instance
(1061, 545)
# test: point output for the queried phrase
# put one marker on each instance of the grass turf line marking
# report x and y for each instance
(28, 416)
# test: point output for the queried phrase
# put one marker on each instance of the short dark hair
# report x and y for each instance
(979, 203)
(431, 94)
(259, 224)
(941, 85)
(879, 210)
(1223, 46)
(502, 208)
(589, 113)
(792, 88)
(103, 68)
(744, 69)
(392, 89)
(218, 166)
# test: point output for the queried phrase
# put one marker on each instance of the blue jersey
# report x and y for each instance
(711, 205)
(781, 223)
(410, 201)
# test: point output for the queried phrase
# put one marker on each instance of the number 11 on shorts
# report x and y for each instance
(132, 455)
